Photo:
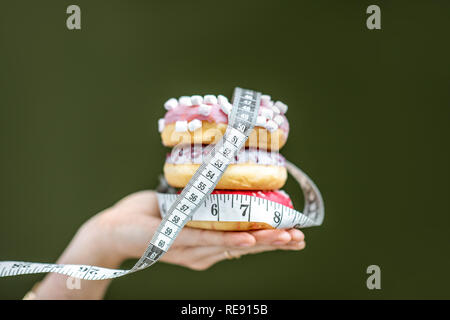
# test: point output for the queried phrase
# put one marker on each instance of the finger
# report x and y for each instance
(238, 252)
(212, 259)
(201, 252)
(139, 233)
(188, 256)
(294, 246)
(197, 237)
(296, 235)
(271, 236)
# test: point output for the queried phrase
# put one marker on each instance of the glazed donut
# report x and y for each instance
(251, 169)
(203, 120)
(277, 196)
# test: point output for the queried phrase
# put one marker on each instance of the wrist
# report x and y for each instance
(93, 245)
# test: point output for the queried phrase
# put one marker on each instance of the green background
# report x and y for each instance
(369, 115)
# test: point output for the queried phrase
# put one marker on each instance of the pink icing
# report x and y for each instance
(184, 113)
(181, 113)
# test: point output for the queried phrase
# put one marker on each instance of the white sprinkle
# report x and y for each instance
(265, 100)
(261, 121)
(221, 99)
(278, 120)
(226, 107)
(266, 112)
(181, 126)
(171, 104)
(210, 99)
(185, 101)
(204, 109)
(161, 124)
(196, 100)
(276, 110)
(280, 105)
(271, 125)
(194, 125)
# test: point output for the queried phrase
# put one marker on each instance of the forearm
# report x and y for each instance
(85, 248)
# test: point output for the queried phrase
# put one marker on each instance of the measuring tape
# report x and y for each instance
(183, 206)
(247, 208)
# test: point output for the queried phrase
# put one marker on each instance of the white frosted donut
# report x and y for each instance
(250, 169)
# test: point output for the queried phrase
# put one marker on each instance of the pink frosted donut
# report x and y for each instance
(190, 120)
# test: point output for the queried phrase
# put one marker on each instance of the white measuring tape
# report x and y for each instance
(182, 207)
(246, 208)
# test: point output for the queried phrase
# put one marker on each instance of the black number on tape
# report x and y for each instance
(218, 164)
(184, 208)
(201, 186)
(210, 174)
(245, 206)
(214, 209)
(94, 271)
(193, 197)
(226, 152)
(242, 127)
(175, 219)
(168, 231)
(276, 217)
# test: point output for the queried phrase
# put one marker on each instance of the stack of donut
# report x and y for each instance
(192, 123)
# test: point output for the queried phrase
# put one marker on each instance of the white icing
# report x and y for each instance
(171, 104)
(197, 100)
(185, 101)
(266, 112)
(194, 125)
(210, 99)
(278, 120)
(261, 121)
(195, 154)
(161, 125)
(271, 125)
(221, 99)
(204, 109)
(280, 105)
(181, 126)
(265, 100)
(276, 110)
(226, 107)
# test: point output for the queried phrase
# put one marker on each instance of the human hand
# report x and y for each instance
(125, 230)
(127, 227)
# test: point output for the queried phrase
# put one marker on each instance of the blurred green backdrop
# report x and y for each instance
(369, 114)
